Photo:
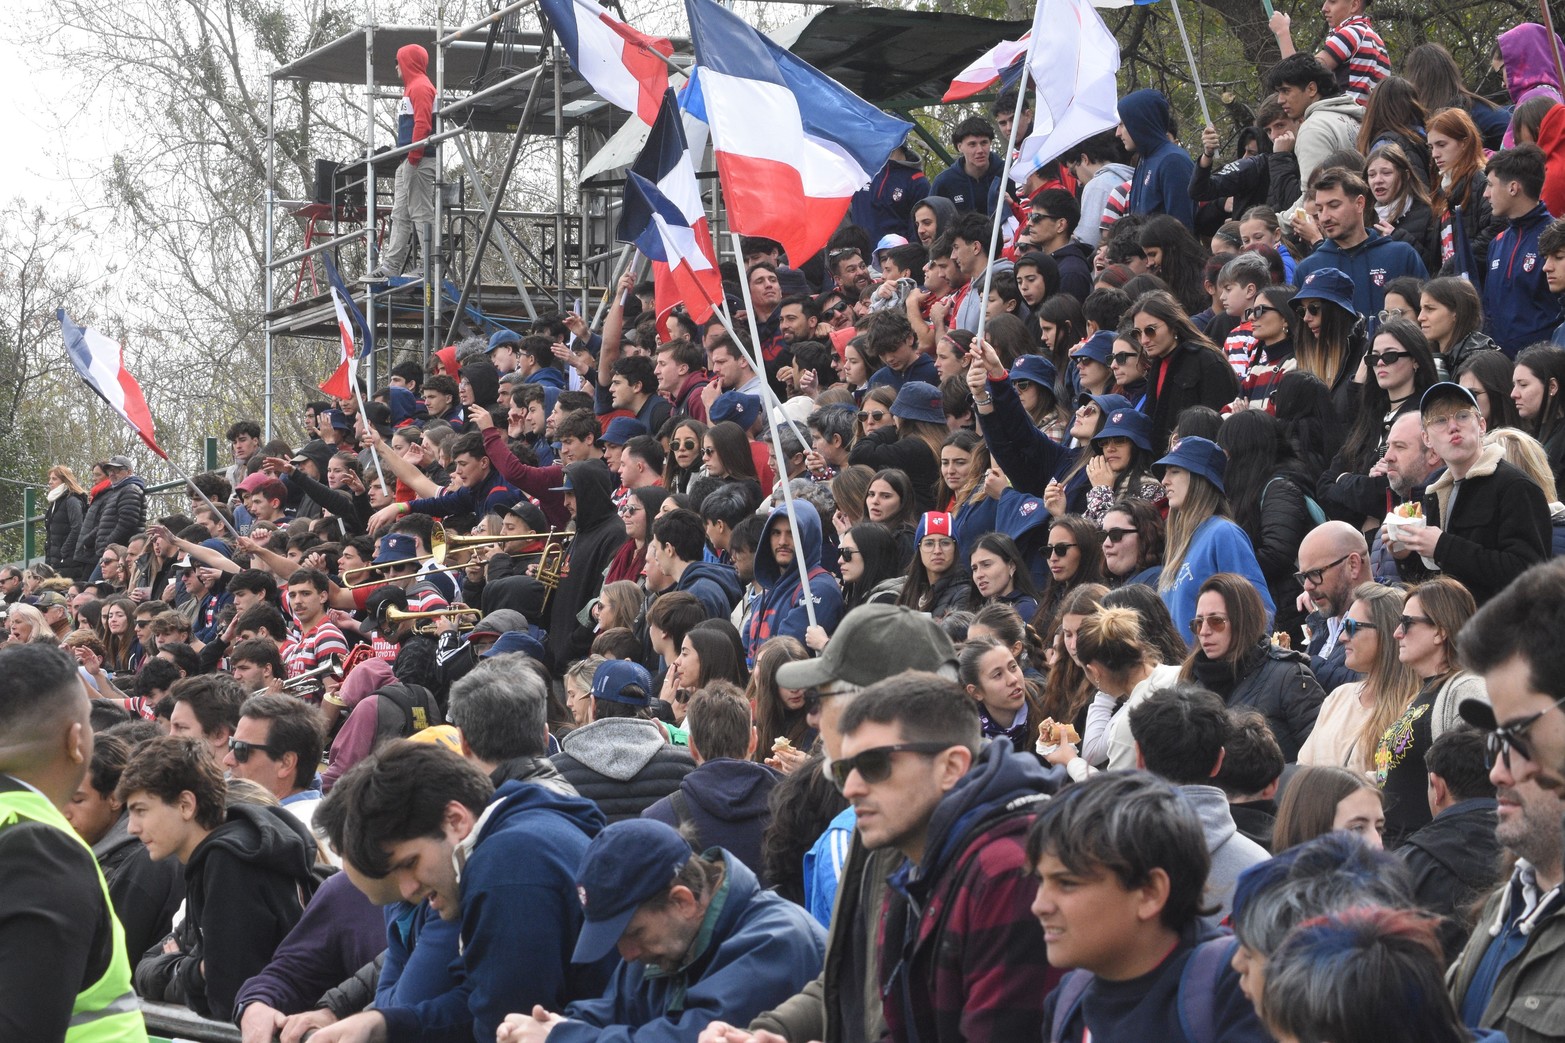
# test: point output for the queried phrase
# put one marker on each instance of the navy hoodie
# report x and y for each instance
(780, 608)
(1517, 305)
(727, 803)
(520, 915)
(964, 190)
(1161, 182)
(1371, 265)
(715, 585)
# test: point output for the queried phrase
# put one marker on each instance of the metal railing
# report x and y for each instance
(31, 522)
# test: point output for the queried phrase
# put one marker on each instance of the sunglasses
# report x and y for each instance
(687, 445)
(1115, 535)
(142, 624)
(1406, 623)
(1259, 310)
(1315, 576)
(1217, 623)
(242, 750)
(1388, 358)
(1351, 626)
(877, 415)
(874, 766)
(1149, 330)
(1387, 314)
(1035, 218)
(834, 309)
(847, 553)
(708, 451)
(1119, 358)
(1059, 550)
(1499, 743)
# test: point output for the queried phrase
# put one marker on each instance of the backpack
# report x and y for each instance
(403, 709)
(1197, 990)
(1311, 506)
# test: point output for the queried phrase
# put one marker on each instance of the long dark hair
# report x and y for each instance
(898, 480)
(1493, 371)
(1547, 363)
(718, 661)
(1328, 354)
(733, 449)
(1089, 543)
(1063, 312)
(882, 561)
(1394, 111)
(1252, 438)
(675, 477)
(1000, 544)
(1310, 428)
(1368, 430)
(1183, 263)
(802, 806)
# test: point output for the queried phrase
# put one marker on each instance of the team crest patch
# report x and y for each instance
(1028, 507)
(1377, 276)
(1529, 262)
(896, 195)
(581, 892)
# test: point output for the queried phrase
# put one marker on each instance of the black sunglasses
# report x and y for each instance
(1035, 217)
(846, 553)
(1388, 358)
(1119, 358)
(874, 765)
(1059, 550)
(242, 750)
(1499, 743)
(687, 445)
(1115, 535)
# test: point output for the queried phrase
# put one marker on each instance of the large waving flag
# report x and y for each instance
(664, 217)
(987, 69)
(625, 66)
(792, 144)
(340, 383)
(101, 362)
(1074, 77)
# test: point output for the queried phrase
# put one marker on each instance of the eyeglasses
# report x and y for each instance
(242, 750)
(847, 553)
(1387, 314)
(1388, 358)
(1119, 358)
(1461, 416)
(1259, 310)
(1059, 550)
(1406, 623)
(1351, 626)
(874, 765)
(1021, 384)
(1217, 623)
(1499, 743)
(1115, 535)
(936, 542)
(1149, 330)
(1316, 575)
(877, 415)
(687, 445)
(109, 561)
(630, 508)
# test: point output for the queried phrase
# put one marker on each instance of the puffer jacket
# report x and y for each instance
(1275, 681)
(121, 513)
(62, 527)
(622, 764)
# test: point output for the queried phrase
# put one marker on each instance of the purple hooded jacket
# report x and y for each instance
(1530, 70)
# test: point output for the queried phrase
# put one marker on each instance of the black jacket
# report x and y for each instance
(1075, 261)
(246, 885)
(145, 893)
(911, 455)
(1275, 681)
(1453, 860)
(723, 803)
(1418, 228)
(622, 764)
(1499, 528)
(62, 525)
(1284, 522)
(1195, 376)
(122, 512)
(1248, 180)
(599, 533)
(1284, 184)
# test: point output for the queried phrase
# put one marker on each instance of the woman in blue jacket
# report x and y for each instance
(1202, 539)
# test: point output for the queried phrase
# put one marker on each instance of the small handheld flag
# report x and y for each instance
(100, 361)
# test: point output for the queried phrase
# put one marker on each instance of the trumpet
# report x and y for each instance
(391, 615)
(313, 682)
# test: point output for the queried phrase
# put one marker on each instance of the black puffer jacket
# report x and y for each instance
(911, 455)
(1283, 522)
(599, 533)
(622, 764)
(119, 512)
(62, 526)
(1418, 228)
(1275, 681)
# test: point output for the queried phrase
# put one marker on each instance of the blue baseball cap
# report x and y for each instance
(1200, 456)
(627, 864)
(742, 409)
(396, 547)
(515, 641)
(503, 337)
(1127, 423)
(614, 676)
(918, 400)
(1035, 368)
(1326, 284)
(339, 421)
(1099, 347)
(621, 430)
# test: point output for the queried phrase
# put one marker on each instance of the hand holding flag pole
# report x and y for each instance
(100, 361)
(1005, 188)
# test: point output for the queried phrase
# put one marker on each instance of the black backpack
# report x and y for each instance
(404, 709)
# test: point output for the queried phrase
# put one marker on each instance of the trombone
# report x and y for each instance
(312, 683)
(550, 549)
(391, 614)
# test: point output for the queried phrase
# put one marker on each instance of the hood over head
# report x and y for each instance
(945, 212)
(405, 406)
(593, 485)
(364, 680)
(809, 528)
(412, 60)
(1147, 117)
(484, 379)
(1528, 58)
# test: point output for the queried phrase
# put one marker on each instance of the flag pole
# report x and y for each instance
(1005, 185)
(768, 403)
(193, 487)
(613, 283)
(1554, 41)
(358, 396)
(1195, 74)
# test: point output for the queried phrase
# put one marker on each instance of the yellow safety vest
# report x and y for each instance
(107, 1011)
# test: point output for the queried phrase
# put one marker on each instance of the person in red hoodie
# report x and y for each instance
(413, 195)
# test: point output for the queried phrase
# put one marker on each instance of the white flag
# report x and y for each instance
(1072, 69)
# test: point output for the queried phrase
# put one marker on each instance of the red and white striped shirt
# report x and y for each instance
(314, 647)
(1362, 61)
